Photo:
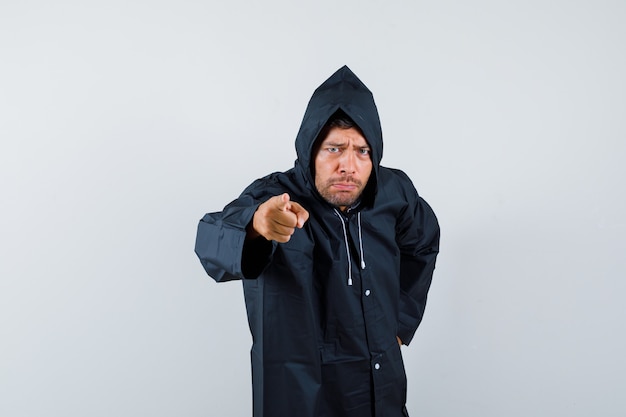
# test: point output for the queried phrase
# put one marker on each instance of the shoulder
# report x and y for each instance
(397, 190)
(274, 184)
(394, 180)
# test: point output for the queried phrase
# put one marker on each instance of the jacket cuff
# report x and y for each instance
(408, 322)
(255, 256)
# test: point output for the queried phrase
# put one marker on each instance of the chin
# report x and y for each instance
(342, 201)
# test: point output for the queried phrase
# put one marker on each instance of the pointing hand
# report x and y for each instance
(277, 219)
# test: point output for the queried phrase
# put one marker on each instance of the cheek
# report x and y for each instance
(366, 168)
(323, 167)
(318, 172)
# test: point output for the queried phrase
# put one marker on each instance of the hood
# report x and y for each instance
(343, 90)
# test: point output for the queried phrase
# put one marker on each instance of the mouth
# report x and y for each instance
(345, 186)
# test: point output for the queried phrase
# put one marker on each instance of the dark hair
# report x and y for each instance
(339, 119)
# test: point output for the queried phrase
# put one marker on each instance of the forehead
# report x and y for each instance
(339, 135)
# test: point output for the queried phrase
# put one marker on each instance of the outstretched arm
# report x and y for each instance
(238, 242)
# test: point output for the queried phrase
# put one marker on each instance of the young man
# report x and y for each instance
(336, 256)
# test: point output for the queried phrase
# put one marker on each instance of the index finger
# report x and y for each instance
(282, 202)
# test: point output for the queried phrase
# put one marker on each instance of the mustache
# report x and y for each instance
(347, 179)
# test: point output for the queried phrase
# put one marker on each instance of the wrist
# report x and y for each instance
(251, 233)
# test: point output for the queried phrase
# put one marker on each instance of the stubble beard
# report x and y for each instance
(340, 198)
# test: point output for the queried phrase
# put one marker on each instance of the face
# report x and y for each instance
(343, 165)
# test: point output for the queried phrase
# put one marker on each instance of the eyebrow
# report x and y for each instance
(335, 144)
(340, 144)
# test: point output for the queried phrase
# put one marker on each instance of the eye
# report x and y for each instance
(364, 151)
(333, 149)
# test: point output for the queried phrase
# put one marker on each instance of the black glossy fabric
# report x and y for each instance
(321, 347)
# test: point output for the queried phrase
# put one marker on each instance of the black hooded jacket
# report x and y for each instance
(325, 308)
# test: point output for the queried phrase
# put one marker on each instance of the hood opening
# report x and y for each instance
(340, 119)
(343, 93)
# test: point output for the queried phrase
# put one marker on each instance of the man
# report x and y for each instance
(336, 256)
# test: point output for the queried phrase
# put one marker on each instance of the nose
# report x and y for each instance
(347, 163)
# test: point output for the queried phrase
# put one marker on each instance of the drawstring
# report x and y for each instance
(360, 241)
(345, 237)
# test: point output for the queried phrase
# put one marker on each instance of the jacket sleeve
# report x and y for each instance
(221, 242)
(417, 235)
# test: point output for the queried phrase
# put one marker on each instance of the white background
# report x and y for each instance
(123, 122)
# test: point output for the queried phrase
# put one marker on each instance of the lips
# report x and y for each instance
(345, 186)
